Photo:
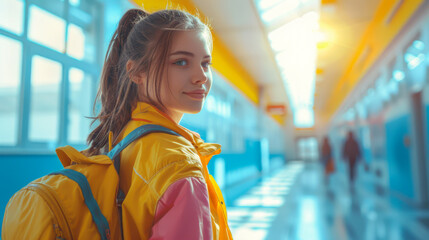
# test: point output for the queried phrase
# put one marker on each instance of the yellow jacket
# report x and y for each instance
(152, 163)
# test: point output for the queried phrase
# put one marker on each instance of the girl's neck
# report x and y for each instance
(174, 116)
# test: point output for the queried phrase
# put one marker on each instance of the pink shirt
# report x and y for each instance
(183, 212)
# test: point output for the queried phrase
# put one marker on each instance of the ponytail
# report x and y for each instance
(113, 115)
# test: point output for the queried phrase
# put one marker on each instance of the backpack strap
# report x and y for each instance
(97, 216)
(136, 134)
(131, 137)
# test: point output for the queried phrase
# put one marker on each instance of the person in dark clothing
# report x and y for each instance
(328, 164)
(351, 154)
(326, 159)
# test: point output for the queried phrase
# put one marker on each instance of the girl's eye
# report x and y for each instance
(181, 63)
(206, 64)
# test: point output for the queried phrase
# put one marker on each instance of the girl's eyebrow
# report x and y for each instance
(186, 53)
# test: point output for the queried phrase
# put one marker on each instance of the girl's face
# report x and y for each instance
(188, 74)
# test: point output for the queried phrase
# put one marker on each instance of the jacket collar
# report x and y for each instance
(147, 113)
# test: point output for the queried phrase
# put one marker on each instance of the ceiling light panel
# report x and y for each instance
(294, 41)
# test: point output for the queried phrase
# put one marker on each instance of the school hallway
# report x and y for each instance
(293, 204)
(291, 83)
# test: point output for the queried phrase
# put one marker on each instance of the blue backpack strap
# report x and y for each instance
(91, 203)
(136, 134)
(131, 137)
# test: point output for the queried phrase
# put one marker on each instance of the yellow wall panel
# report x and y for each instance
(389, 19)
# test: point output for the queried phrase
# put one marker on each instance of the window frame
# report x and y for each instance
(30, 49)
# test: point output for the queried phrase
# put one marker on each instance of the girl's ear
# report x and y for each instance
(137, 78)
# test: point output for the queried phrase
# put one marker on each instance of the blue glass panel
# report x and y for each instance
(80, 105)
(46, 77)
(10, 76)
(47, 29)
(12, 15)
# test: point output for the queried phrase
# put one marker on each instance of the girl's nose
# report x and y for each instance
(201, 75)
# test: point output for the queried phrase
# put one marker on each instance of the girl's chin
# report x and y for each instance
(194, 109)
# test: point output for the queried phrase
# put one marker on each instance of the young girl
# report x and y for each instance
(157, 68)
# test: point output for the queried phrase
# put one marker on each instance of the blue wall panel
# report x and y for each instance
(366, 153)
(399, 156)
(18, 170)
(243, 167)
(427, 137)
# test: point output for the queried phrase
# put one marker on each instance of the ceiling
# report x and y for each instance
(237, 23)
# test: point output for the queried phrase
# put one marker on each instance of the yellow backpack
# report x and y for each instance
(81, 201)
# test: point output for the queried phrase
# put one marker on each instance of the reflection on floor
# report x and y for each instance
(294, 204)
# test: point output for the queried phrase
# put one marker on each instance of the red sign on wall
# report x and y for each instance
(277, 109)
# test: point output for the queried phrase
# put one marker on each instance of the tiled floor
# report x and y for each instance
(294, 204)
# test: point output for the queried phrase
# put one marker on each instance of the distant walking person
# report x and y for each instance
(327, 160)
(328, 163)
(351, 153)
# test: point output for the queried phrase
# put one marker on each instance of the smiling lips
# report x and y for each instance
(197, 94)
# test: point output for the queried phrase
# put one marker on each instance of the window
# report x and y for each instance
(414, 59)
(49, 62)
(45, 100)
(80, 99)
(12, 16)
(76, 42)
(84, 30)
(47, 29)
(10, 76)
(308, 148)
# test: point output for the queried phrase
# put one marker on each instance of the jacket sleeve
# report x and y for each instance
(183, 212)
